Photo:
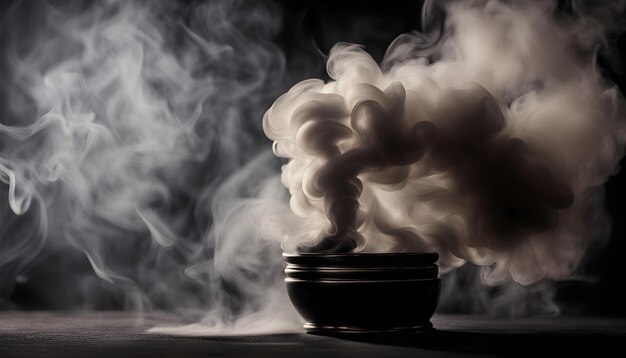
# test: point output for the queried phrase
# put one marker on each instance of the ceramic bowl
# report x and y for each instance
(363, 292)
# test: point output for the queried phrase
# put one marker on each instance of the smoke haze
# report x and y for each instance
(132, 146)
(125, 137)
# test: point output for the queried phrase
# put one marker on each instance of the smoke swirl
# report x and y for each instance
(485, 145)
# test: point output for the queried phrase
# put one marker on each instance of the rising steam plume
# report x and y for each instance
(132, 137)
(487, 145)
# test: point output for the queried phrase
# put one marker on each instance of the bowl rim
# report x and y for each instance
(360, 281)
(377, 254)
(324, 269)
(359, 259)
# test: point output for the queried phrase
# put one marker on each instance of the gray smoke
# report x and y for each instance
(486, 145)
(132, 134)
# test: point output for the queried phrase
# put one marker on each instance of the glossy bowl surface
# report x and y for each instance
(348, 293)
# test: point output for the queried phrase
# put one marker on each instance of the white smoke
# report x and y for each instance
(493, 153)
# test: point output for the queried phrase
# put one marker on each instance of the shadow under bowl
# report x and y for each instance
(363, 292)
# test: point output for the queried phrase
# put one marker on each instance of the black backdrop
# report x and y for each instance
(309, 29)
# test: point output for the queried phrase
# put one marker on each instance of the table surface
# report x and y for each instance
(97, 334)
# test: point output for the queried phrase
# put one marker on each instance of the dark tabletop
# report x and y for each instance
(80, 334)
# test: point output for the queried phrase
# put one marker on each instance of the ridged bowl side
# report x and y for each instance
(362, 259)
(352, 293)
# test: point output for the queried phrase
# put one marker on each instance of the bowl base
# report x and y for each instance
(314, 328)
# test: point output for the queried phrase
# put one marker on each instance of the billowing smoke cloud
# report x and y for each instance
(488, 144)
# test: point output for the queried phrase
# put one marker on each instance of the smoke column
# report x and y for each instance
(489, 144)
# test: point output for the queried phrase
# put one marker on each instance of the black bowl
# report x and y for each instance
(363, 292)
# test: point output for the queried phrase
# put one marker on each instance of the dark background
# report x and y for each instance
(309, 29)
